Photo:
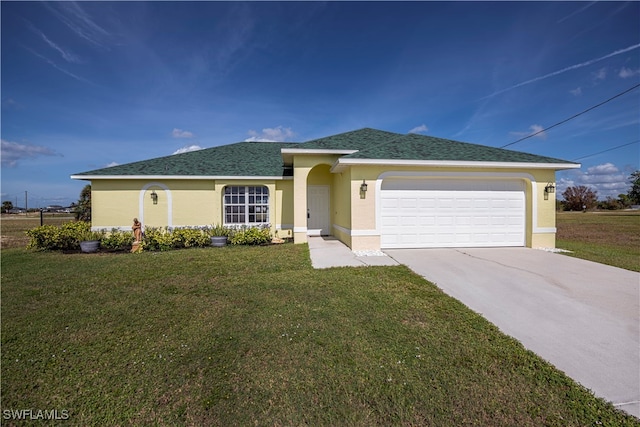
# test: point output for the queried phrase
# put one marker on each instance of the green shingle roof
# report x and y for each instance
(421, 147)
(354, 140)
(240, 159)
(265, 158)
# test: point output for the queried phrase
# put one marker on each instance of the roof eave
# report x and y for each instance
(288, 153)
(181, 177)
(343, 163)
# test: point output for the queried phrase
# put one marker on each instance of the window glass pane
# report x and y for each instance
(246, 205)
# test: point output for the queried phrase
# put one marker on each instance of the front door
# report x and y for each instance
(318, 216)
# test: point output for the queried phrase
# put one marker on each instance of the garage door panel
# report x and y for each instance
(452, 213)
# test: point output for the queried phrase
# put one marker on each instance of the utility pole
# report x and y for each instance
(26, 206)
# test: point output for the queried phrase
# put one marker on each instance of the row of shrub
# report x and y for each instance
(68, 236)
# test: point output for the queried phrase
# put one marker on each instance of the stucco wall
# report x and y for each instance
(540, 213)
(180, 202)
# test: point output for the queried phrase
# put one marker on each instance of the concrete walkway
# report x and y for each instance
(327, 252)
(581, 316)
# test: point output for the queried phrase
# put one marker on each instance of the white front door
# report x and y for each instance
(318, 214)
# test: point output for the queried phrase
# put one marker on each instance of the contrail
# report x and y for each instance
(564, 70)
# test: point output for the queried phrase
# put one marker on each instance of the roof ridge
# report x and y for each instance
(435, 148)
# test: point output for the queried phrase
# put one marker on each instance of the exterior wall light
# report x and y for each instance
(549, 188)
(363, 187)
(154, 197)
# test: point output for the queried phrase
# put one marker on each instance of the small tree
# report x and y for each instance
(6, 206)
(624, 200)
(610, 203)
(83, 208)
(634, 192)
(579, 198)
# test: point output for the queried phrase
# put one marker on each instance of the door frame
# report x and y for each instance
(325, 228)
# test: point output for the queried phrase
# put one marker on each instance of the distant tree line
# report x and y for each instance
(578, 198)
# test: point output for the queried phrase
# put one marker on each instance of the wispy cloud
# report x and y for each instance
(179, 133)
(564, 70)
(67, 55)
(277, 134)
(536, 131)
(12, 152)
(57, 67)
(11, 104)
(80, 22)
(574, 13)
(576, 92)
(628, 72)
(601, 74)
(188, 148)
(419, 129)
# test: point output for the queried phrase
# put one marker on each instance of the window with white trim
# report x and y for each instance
(246, 205)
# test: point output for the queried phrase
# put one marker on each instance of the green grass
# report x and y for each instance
(611, 238)
(255, 336)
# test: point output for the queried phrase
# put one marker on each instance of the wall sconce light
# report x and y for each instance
(154, 197)
(363, 187)
(549, 188)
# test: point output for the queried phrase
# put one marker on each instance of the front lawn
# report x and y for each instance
(255, 336)
(611, 238)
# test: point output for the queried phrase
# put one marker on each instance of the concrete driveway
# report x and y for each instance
(581, 316)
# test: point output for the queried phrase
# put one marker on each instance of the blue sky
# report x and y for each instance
(91, 84)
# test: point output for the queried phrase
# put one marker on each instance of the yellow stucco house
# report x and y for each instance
(369, 188)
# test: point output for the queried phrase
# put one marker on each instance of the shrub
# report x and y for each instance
(69, 235)
(189, 238)
(117, 240)
(251, 236)
(158, 239)
(218, 230)
(63, 238)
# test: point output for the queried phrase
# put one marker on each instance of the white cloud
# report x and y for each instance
(576, 92)
(12, 152)
(603, 169)
(179, 133)
(112, 164)
(187, 149)
(535, 129)
(601, 74)
(277, 134)
(607, 179)
(628, 72)
(419, 129)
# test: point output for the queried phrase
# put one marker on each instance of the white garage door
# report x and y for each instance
(437, 213)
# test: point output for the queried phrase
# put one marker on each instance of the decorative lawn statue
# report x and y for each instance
(137, 234)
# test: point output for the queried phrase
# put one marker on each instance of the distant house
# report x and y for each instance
(369, 188)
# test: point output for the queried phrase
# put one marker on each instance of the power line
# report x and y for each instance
(572, 117)
(609, 149)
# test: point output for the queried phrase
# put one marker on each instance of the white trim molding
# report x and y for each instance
(545, 230)
(342, 163)
(182, 177)
(351, 232)
(169, 201)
